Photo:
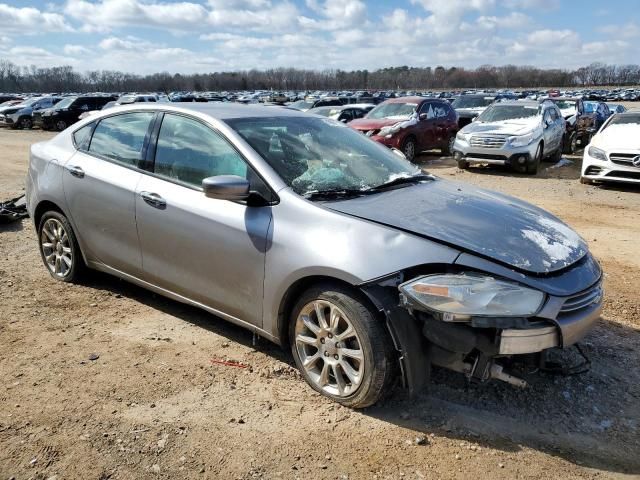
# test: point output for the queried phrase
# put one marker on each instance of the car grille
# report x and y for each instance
(487, 141)
(623, 174)
(625, 159)
(583, 299)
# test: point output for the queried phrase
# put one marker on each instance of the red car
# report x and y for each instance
(411, 124)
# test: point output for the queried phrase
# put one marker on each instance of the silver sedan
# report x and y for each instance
(315, 237)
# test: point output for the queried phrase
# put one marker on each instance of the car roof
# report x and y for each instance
(527, 103)
(217, 110)
(409, 100)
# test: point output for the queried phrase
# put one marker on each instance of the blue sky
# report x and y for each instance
(144, 36)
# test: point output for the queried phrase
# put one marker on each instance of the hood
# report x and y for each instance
(485, 223)
(618, 137)
(516, 126)
(375, 123)
(470, 112)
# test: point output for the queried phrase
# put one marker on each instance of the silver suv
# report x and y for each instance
(315, 237)
(516, 133)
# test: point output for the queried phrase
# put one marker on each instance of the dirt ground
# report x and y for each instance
(156, 405)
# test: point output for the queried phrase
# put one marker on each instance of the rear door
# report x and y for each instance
(426, 127)
(207, 250)
(100, 180)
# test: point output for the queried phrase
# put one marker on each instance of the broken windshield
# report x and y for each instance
(316, 154)
(500, 112)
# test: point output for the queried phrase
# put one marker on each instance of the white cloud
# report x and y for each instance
(30, 20)
(75, 50)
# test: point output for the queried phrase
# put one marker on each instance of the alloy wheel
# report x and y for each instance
(56, 247)
(329, 348)
(61, 125)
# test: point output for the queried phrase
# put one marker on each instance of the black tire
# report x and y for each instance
(557, 155)
(380, 367)
(532, 167)
(409, 148)
(463, 165)
(571, 144)
(61, 125)
(447, 149)
(25, 123)
(78, 267)
(586, 181)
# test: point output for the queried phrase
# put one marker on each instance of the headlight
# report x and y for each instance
(390, 130)
(459, 296)
(463, 137)
(597, 153)
(521, 140)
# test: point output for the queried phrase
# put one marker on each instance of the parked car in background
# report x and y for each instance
(411, 124)
(309, 234)
(469, 107)
(136, 98)
(598, 111)
(343, 113)
(21, 115)
(68, 111)
(517, 133)
(614, 152)
(616, 108)
(580, 126)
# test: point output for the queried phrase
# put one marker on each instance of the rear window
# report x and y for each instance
(121, 137)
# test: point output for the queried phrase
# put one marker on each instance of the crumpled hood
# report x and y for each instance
(488, 224)
(618, 137)
(518, 126)
(365, 124)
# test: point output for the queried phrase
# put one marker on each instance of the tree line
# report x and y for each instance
(20, 79)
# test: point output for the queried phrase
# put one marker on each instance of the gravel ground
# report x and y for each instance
(155, 404)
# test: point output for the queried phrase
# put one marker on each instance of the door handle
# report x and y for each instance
(75, 171)
(154, 199)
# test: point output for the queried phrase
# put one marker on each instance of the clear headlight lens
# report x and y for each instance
(463, 136)
(521, 140)
(597, 153)
(460, 296)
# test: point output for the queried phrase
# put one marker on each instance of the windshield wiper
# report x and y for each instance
(335, 193)
(413, 179)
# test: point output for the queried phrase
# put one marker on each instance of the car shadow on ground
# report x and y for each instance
(590, 419)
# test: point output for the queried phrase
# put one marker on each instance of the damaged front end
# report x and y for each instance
(478, 324)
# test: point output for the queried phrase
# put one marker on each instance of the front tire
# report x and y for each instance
(409, 149)
(59, 248)
(571, 144)
(26, 123)
(61, 125)
(532, 167)
(342, 350)
(448, 148)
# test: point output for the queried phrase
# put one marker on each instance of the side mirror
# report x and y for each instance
(226, 187)
(422, 116)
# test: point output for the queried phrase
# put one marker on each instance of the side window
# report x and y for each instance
(81, 136)
(189, 151)
(427, 107)
(121, 137)
(553, 114)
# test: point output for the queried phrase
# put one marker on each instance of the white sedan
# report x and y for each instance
(614, 152)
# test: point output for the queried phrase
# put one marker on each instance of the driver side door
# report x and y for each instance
(207, 250)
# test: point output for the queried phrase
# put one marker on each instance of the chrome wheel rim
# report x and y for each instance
(56, 248)
(409, 150)
(329, 348)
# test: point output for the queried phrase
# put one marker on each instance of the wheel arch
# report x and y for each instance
(294, 291)
(47, 206)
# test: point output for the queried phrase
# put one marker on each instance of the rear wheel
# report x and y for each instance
(61, 125)
(340, 348)
(59, 248)
(409, 148)
(557, 155)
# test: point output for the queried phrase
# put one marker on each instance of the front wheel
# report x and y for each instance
(571, 144)
(61, 125)
(448, 148)
(532, 167)
(409, 149)
(342, 350)
(26, 123)
(59, 248)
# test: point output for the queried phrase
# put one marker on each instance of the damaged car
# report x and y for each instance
(411, 125)
(311, 235)
(518, 134)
